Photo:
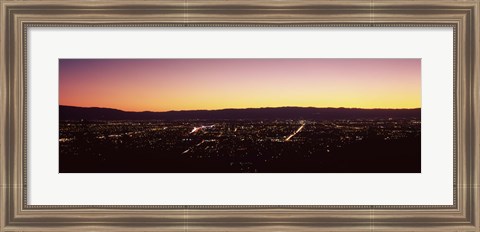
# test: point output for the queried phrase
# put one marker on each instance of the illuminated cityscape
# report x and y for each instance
(240, 115)
(191, 146)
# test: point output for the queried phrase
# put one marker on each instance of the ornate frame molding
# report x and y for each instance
(17, 16)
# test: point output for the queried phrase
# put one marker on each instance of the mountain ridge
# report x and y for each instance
(287, 112)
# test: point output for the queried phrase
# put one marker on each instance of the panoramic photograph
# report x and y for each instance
(293, 115)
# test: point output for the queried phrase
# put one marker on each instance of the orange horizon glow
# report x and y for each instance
(208, 84)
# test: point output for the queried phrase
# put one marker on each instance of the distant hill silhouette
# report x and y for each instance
(294, 113)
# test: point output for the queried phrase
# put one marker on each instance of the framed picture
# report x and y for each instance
(239, 115)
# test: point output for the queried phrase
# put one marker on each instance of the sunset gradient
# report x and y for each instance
(191, 84)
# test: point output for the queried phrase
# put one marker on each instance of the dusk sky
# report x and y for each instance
(190, 84)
